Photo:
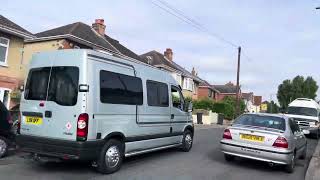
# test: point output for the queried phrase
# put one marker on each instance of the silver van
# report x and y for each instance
(93, 106)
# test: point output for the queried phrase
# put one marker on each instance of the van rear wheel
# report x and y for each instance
(111, 157)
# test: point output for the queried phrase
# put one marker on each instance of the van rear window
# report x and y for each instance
(118, 88)
(58, 84)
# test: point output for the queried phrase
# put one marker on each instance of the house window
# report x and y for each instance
(4, 47)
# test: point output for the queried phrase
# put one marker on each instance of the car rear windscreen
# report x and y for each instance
(261, 121)
(58, 84)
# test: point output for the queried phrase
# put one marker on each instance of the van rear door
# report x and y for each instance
(51, 104)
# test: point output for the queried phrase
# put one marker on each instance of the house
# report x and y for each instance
(12, 70)
(253, 103)
(257, 103)
(77, 35)
(248, 99)
(206, 90)
(228, 89)
(189, 81)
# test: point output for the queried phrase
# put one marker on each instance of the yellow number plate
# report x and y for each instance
(252, 137)
(33, 120)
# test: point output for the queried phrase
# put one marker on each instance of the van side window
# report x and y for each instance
(157, 94)
(118, 88)
(177, 98)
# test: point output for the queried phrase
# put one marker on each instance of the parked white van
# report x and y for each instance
(88, 105)
(306, 112)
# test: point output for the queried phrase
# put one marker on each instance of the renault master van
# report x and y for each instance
(93, 106)
(306, 112)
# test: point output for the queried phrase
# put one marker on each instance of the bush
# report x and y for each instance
(206, 104)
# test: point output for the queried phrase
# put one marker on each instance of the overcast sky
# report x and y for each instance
(280, 37)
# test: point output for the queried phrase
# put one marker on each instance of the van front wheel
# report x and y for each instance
(111, 157)
(187, 141)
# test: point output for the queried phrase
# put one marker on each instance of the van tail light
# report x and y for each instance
(82, 127)
(281, 142)
(227, 134)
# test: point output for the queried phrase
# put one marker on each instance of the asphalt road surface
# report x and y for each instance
(204, 161)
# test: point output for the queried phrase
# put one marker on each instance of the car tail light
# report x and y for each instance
(281, 142)
(227, 134)
(82, 127)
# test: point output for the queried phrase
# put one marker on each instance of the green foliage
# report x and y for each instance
(299, 87)
(227, 106)
(203, 104)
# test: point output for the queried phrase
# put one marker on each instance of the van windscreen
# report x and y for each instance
(63, 84)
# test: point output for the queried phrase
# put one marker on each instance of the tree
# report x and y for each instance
(272, 107)
(297, 88)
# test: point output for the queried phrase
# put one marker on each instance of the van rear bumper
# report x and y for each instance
(63, 149)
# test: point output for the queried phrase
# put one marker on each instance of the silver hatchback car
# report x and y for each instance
(276, 139)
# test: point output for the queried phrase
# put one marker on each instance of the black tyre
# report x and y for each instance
(290, 167)
(187, 141)
(111, 157)
(304, 153)
(4, 145)
(228, 157)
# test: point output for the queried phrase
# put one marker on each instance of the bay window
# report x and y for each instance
(4, 47)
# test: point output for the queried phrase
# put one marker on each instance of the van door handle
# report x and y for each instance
(172, 116)
(48, 114)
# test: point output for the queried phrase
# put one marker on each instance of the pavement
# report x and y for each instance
(204, 162)
(313, 172)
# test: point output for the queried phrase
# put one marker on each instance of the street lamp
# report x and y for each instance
(317, 7)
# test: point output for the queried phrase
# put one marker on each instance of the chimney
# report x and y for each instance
(99, 26)
(168, 54)
(193, 72)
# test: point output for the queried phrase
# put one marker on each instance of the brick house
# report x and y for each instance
(253, 103)
(189, 81)
(77, 35)
(206, 90)
(228, 89)
(12, 69)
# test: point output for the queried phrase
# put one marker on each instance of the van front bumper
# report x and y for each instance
(62, 149)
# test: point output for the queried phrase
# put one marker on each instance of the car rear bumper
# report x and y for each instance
(256, 153)
(62, 149)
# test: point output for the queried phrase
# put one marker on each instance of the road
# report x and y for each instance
(203, 162)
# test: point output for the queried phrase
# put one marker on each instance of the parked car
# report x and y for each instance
(89, 105)
(6, 135)
(276, 139)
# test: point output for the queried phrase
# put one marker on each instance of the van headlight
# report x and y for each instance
(314, 124)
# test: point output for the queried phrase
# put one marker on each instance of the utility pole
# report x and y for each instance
(238, 84)
(271, 104)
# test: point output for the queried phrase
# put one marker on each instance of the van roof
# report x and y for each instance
(305, 102)
(121, 59)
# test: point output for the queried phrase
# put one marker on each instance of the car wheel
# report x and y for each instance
(228, 157)
(290, 167)
(304, 153)
(111, 157)
(187, 141)
(3, 146)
